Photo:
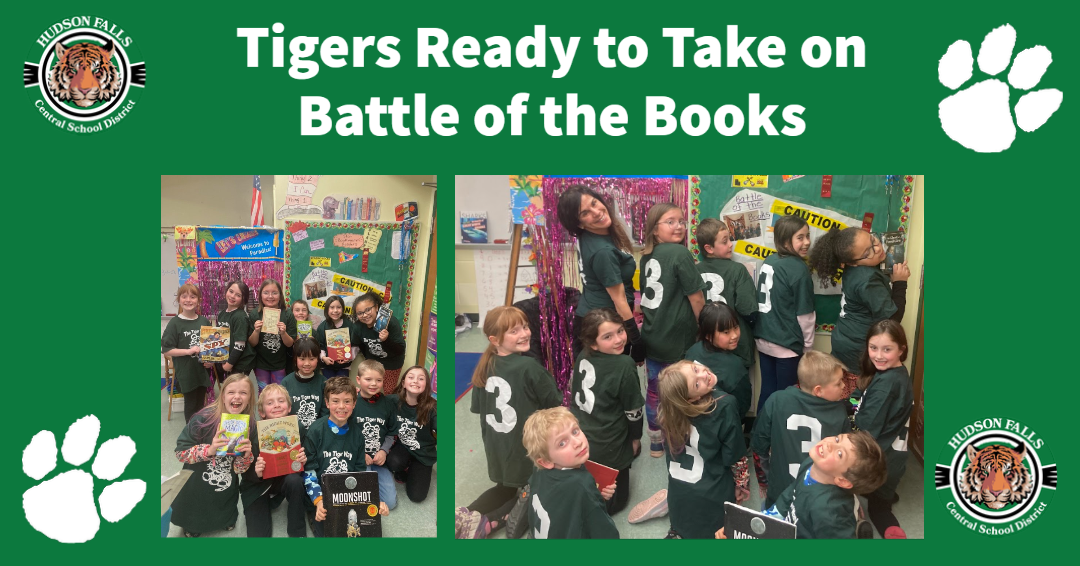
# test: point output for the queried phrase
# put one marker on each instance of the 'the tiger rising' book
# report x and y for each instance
(235, 428)
(338, 347)
(279, 445)
(214, 344)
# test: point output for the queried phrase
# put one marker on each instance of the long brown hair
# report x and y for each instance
(656, 212)
(896, 334)
(590, 327)
(676, 409)
(496, 322)
(784, 231)
(569, 207)
(424, 403)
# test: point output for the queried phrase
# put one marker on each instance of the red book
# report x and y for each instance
(603, 475)
(338, 347)
(279, 446)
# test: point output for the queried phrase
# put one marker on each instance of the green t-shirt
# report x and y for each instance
(419, 439)
(306, 396)
(241, 356)
(884, 412)
(668, 277)
(375, 418)
(184, 334)
(602, 265)
(330, 452)
(866, 299)
(790, 424)
(319, 334)
(785, 292)
(565, 504)
(517, 387)
(820, 510)
(390, 353)
(699, 477)
(270, 351)
(731, 375)
(729, 282)
(207, 502)
(603, 389)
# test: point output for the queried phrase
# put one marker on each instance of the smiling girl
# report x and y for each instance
(386, 345)
(413, 457)
(235, 317)
(208, 500)
(884, 413)
(270, 343)
(607, 398)
(180, 340)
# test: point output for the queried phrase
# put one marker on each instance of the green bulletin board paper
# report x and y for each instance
(382, 267)
(851, 195)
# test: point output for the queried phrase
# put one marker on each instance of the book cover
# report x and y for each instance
(279, 445)
(603, 475)
(270, 319)
(303, 328)
(740, 522)
(214, 344)
(351, 500)
(474, 228)
(382, 318)
(338, 347)
(235, 428)
(405, 211)
(893, 243)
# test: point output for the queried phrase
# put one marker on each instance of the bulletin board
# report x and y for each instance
(327, 258)
(754, 202)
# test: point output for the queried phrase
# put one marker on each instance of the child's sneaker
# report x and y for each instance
(672, 534)
(895, 532)
(469, 524)
(863, 529)
(651, 508)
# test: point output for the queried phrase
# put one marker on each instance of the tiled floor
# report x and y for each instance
(646, 477)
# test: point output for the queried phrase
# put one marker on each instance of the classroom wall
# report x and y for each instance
(211, 199)
(391, 190)
(484, 193)
(465, 295)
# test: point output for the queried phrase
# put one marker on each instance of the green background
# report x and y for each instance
(999, 240)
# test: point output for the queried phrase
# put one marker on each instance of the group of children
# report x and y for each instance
(814, 435)
(345, 426)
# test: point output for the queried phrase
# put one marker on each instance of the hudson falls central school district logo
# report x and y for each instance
(83, 74)
(996, 476)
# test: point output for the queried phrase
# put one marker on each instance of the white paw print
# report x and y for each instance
(979, 116)
(62, 508)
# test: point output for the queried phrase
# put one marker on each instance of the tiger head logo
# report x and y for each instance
(996, 476)
(85, 74)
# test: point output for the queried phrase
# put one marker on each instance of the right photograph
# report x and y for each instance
(689, 356)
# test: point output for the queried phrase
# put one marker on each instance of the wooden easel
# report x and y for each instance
(515, 254)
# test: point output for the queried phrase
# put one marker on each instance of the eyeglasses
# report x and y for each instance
(674, 223)
(366, 311)
(875, 245)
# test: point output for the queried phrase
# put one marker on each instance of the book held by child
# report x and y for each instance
(270, 319)
(382, 319)
(351, 500)
(279, 445)
(338, 347)
(235, 428)
(214, 344)
(303, 328)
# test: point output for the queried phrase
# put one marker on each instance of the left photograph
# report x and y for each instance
(298, 356)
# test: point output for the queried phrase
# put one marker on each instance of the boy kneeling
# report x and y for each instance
(564, 501)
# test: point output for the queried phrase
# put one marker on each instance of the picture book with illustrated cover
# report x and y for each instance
(303, 328)
(603, 475)
(214, 344)
(270, 319)
(744, 523)
(351, 500)
(279, 446)
(382, 319)
(235, 428)
(338, 347)
(893, 242)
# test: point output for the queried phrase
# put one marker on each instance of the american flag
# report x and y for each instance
(256, 203)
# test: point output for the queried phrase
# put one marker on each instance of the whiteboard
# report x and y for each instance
(484, 193)
(492, 271)
(170, 279)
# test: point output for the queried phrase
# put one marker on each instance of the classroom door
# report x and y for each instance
(917, 429)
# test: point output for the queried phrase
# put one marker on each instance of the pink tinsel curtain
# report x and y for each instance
(214, 275)
(556, 255)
